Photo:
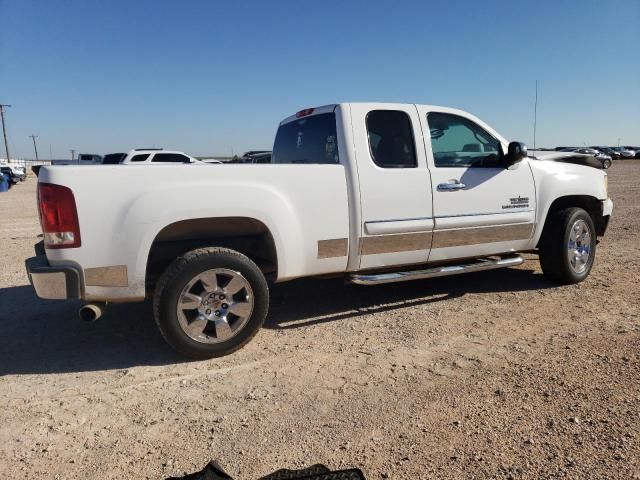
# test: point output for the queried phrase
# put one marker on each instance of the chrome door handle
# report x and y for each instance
(451, 186)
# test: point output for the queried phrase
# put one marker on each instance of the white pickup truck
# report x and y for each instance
(376, 192)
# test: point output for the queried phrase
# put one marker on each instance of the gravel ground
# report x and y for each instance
(490, 375)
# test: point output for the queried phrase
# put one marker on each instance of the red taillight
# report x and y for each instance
(58, 216)
(304, 113)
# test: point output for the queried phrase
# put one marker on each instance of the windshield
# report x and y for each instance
(307, 140)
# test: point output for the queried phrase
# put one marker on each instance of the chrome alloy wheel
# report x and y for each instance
(215, 305)
(579, 246)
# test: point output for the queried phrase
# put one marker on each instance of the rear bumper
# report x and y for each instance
(52, 283)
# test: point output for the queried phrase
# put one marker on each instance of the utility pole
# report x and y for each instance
(73, 155)
(33, 137)
(4, 130)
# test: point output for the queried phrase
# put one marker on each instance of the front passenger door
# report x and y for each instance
(479, 206)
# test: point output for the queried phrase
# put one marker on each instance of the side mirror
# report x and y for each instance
(516, 152)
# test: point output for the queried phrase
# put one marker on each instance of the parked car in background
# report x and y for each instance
(625, 152)
(6, 172)
(113, 158)
(82, 159)
(251, 153)
(260, 158)
(603, 158)
(17, 173)
(634, 150)
(157, 156)
(608, 151)
(89, 159)
(255, 156)
(57, 162)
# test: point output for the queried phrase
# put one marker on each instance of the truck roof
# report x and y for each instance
(331, 107)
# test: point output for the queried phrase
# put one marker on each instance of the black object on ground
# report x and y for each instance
(213, 471)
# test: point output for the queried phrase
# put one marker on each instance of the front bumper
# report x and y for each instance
(52, 283)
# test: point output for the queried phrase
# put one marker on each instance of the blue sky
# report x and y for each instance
(207, 77)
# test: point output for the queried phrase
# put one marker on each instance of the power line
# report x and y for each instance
(4, 130)
(33, 137)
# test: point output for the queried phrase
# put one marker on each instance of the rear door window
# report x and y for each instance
(307, 140)
(391, 139)
(170, 158)
(141, 157)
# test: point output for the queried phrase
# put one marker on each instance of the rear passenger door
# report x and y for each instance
(395, 186)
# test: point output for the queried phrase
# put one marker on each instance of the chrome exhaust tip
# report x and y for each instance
(91, 311)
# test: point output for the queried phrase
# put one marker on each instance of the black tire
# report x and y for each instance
(606, 164)
(553, 250)
(180, 273)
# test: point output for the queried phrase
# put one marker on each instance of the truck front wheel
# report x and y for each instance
(568, 246)
(210, 302)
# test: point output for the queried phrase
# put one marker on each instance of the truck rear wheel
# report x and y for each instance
(568, 246)
(210, 302)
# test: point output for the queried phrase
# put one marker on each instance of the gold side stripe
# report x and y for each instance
(337, 247)
(473, 236)
(408, 242)
(444, 238)
(115, 276)
(404, 242)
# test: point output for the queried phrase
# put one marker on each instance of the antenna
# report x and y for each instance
(535, 117)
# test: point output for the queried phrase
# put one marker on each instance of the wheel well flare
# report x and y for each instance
(244, 235)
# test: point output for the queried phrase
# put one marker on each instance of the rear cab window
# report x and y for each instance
(311, 139)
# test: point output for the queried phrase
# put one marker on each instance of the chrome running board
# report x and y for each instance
(441, 271)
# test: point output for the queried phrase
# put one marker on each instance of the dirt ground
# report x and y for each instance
(490, 375)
